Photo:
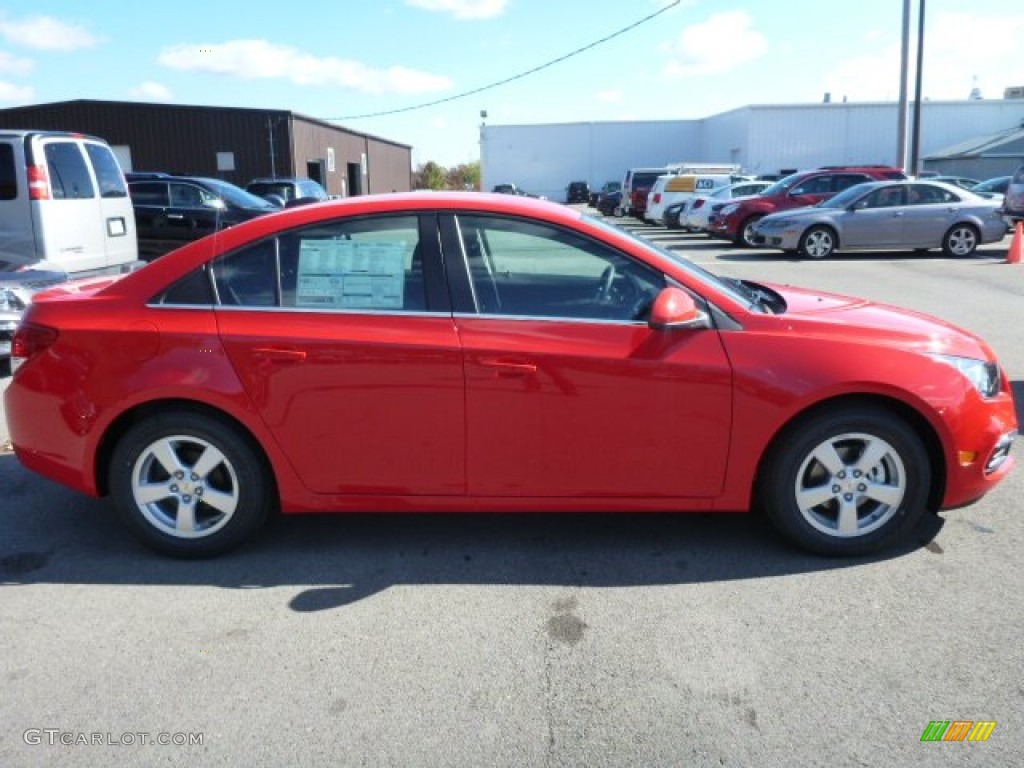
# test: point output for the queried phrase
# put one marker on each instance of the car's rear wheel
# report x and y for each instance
(818, 243)
(189, 485)
(746, 232)
(960, 240)
(849, 481)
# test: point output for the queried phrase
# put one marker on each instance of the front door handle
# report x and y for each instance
(508, 368)
(280, 355)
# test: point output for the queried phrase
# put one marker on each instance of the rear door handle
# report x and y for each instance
(280, 355)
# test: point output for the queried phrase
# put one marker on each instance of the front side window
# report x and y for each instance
(372, 264)
(525, 269)
(886, 197)
(191, 196)
(68, 171)
(817, 185)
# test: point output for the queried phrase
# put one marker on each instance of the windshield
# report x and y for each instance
(848, 196)
(997, 184)
(781, 185)
(238, 197)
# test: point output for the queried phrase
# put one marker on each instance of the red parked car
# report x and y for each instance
(468, 352)
(735, 221)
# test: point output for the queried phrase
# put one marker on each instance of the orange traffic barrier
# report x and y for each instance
(1016, 252)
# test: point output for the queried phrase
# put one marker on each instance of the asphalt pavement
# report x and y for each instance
(518, 640)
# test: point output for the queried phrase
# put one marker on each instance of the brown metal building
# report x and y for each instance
(229, 143)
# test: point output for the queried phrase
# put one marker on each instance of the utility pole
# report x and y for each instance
(915, 151)
(270, 131)
(904, 108)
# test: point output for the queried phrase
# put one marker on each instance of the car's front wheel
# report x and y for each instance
(746, 236)
(189, 485)
(961, 240)
(818, 243)
(849, 481)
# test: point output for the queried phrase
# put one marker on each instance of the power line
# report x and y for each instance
(507, 80)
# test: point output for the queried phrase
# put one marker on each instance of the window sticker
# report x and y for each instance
(348, 274)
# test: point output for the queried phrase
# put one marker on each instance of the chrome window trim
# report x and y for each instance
(549, 319)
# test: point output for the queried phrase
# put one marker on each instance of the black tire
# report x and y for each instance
(884, 499)
(818, 242)
(745, 234)
(960, 241)
(226, 502)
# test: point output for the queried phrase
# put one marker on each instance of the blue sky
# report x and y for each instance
(344, 59)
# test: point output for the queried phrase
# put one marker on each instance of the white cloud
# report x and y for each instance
(45, 33)
(260, 60)
(609, 97)
(13, 65)
(463, 9)
(15, 94)
(151, 91)
(722, 43)
(948, 73)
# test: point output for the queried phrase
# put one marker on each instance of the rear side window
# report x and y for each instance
(68, 171)
(150, 193)
(369, 264)
(8, 179)
(108, 172)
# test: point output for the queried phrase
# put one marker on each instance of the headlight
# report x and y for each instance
(983, 375)
(731, 208)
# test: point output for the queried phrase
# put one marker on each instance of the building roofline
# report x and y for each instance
(210, 108)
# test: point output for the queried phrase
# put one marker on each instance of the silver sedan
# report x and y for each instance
(886, 215)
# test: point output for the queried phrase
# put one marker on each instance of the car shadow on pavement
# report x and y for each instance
(55, 536)
(1017, 387)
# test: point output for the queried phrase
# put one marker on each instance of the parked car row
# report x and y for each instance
(818, 212)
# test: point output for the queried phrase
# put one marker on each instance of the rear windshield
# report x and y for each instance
(68, 171)
(108, 172)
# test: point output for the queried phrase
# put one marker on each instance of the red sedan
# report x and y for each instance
(474, 352)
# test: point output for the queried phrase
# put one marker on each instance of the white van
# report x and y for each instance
(668, 190)
(64, 213)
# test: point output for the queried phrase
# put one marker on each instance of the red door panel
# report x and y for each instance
(358, 403)
(602, 410)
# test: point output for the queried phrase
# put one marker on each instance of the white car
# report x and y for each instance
(694, 215)
(669, 190)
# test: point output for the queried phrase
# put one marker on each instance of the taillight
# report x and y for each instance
(38, 183)
(698, 203)
(657, 197)
(30, 340)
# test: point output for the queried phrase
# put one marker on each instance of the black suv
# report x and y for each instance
(290, 190)
(171, 211)
(577, 192)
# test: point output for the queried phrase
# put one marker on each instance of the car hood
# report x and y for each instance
(801, 213)
(815, 313)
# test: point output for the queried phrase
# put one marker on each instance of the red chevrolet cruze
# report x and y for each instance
(473, 352)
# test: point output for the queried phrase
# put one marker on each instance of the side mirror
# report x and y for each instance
(675, 308)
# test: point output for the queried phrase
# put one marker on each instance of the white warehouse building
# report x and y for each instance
(763, 139)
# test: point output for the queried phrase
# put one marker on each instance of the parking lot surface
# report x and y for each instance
(547, 640)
